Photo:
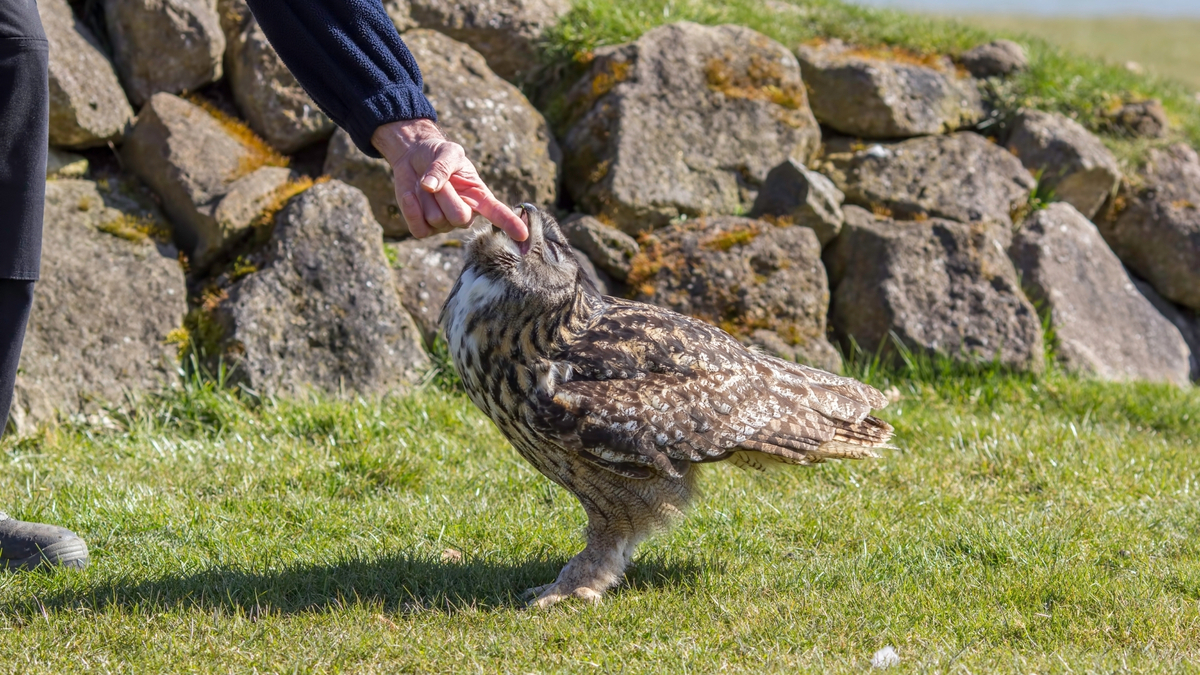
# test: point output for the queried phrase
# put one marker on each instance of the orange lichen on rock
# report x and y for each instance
(613, 73)
(890, 53)
(258, 153)
(762, 80)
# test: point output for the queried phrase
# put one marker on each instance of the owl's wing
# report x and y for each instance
(648, 390)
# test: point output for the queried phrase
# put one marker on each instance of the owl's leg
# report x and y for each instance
(597, 568)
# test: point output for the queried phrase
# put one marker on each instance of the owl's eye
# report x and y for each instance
(552, 253)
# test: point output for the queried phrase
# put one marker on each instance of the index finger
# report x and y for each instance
(503, 217)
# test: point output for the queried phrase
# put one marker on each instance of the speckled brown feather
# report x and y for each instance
(618, 401)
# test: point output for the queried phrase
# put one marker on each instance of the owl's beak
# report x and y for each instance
(528, 214)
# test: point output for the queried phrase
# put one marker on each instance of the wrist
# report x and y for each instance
(394, 138)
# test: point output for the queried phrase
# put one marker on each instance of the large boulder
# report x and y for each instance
(505, 32)
(998, 58)
(795, 195)
(87, 105)
(425, 272)
(373, 175)
(211, 181)
(608, 248)
(399, 11)
(960, 176)
(1184, 319)
(268, 95)
(427, 269)
(883, 93)
(1073, 163)
(320, 313)
(762, 283)
(941, 287)
(506, 138)
(1155, 228)
(1102, 325)
(165, 45)
(104, 306)
(688, 120)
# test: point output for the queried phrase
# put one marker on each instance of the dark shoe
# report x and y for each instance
(24, 546)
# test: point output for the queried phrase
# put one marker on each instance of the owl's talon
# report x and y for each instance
(553, 595)
(532, 593)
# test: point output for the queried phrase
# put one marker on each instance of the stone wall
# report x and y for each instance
(886, 208)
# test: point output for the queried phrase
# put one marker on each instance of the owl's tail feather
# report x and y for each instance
(872, 432)
(851, 440)
(855, 440)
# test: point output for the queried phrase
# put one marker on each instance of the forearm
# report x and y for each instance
(349, 58)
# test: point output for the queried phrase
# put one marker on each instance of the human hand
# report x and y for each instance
(437, 187)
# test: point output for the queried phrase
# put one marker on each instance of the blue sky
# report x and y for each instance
(1159, 8)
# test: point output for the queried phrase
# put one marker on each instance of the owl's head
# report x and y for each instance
(543, 265)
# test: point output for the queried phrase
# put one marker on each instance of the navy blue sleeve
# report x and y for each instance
(349, 58)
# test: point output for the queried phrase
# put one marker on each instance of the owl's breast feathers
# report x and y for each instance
(643, 390)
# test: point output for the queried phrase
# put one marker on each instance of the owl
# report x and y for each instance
(619, 402)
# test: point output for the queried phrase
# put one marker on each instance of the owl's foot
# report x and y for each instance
(549, 595)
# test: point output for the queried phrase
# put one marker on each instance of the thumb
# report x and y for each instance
(449, 159)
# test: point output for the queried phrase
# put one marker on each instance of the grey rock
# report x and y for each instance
(998, 58)
(762, 283)
(246, 198)
(87, 106)
(233, 15)
(608, 248)
(103, 308)
(425, 272)
(400, 13)
(941, 287)
(886, 94)
(321, 313)
(1141, 119)
(1187, 321)
(268, 95)
(794, 195)
(373, 175)
(688, 120)
(192, 162)
(1155, 228)
(506, 138)
(1072, 161)
(506, 32)
(960, 176)
(1103, 326)
(63, 164)
(164, 45)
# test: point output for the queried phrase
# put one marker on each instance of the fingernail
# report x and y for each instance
(429, 183)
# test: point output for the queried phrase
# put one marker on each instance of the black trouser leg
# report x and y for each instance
(24, 137)
(16, 297)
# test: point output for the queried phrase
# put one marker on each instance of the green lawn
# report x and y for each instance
(1021, 526)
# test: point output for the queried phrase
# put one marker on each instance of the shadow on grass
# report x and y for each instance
(391, 584)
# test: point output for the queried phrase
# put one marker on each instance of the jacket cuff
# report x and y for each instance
(395, 103)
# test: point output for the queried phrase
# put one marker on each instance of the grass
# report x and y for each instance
(1022, 525)
(1084, 87)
